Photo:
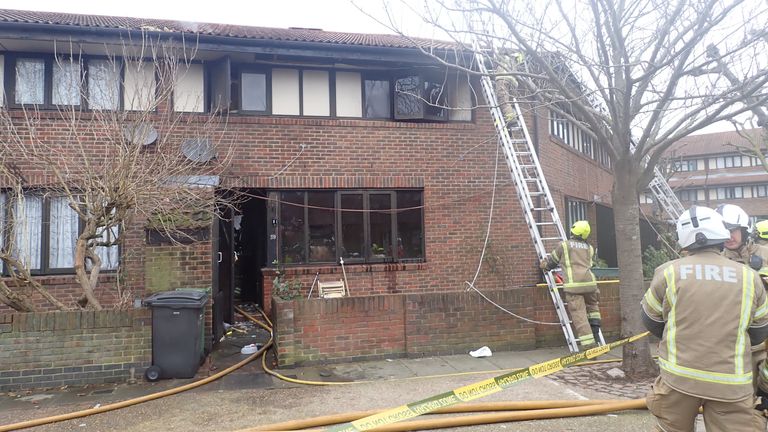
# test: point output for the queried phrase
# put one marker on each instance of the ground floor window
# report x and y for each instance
(361, 226)
(41, 232)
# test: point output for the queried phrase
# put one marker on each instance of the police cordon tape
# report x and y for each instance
(477, 390)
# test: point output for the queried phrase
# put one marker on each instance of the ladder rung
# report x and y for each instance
(541, 208)
(544, 223)
(551, 238)
(536, 193)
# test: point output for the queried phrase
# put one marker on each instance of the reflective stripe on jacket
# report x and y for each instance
(708, 303)
(575, 257)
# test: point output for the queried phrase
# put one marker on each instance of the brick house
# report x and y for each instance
(713, 169)
(323, 122)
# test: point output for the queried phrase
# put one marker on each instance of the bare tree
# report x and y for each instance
(107, 159)
(636, 76)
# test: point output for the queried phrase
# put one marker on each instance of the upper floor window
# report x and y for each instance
(360, 226)
(686, 165)
(577, 138)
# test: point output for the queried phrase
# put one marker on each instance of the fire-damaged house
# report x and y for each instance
(338, 147)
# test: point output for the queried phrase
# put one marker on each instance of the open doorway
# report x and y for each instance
(240, 252)
(250, 247)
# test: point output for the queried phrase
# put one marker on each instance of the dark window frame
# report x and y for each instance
(206, 90)
(377, 76)
(45, 235)
(367, 257)
(49, 61)
(253, 69)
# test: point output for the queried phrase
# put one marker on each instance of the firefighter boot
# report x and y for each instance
(595, 324)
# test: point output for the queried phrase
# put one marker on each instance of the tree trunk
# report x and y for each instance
(637, 360)
(82, 276)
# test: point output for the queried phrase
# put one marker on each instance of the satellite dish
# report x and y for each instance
(140, 133)
(198, 149)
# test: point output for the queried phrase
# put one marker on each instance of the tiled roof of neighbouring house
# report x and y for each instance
(220, 30)
(712, 143)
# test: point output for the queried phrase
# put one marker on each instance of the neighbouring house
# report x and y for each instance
(347, 146)
(718, 168)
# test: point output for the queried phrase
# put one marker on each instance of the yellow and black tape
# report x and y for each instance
(477, 390)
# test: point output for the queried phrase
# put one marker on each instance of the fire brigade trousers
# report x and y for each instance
(581, 307)
(676, 411)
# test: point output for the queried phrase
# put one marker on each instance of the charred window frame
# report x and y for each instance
(361, 226)
(421, 96)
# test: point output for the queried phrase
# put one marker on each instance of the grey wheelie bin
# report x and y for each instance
(177, 333)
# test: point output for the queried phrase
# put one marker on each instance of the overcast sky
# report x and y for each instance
(338, 15)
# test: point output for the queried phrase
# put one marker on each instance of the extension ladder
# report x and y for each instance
(532, 190)
(665, 196)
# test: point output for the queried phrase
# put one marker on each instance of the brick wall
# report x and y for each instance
(50, 349)
(396, 325)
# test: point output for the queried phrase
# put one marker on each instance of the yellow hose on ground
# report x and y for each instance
(463, 408)
(481, 419)
(130, 402)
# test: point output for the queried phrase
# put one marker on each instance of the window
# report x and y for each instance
(43, 233)
(686, 165)
(376, 99)
(760, 191)
(189, 88)
(734, 192)
(420, 97)
(30, 81)
(646, 198)
(577, 139)
(690, 195)
(576, 210)
(349, 99)
(315, 93)
(104, 85)
(253, 91)
(139, 86)
(66, 82)
(360, 226)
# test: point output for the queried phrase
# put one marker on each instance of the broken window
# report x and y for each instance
(420, 97)
(359, 226)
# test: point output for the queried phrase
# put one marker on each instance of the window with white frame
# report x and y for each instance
(689, 195)
(646, 198)
(759, 191)
(733, 192)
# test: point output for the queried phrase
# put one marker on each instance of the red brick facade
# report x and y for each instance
(451, 162)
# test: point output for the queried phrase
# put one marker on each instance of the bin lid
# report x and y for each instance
(178, 299)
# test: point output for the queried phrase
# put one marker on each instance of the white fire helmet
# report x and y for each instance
(699, 227)
(733, 216)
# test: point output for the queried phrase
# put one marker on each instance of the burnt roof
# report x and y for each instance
(218, 30)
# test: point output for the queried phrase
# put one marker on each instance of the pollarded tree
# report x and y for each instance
(120, 147)
(635, 76)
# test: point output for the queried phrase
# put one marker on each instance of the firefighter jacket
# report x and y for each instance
(745, 253)
(707, 304)
(576, 258)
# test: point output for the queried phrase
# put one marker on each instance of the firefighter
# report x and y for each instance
(739, 247)
(761, 233)
(576, 257)
(706, 309)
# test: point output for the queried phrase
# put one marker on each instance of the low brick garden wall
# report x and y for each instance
(50, 349)
(412, 325)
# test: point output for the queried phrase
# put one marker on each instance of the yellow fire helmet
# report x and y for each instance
(581, 229)
(761, 229)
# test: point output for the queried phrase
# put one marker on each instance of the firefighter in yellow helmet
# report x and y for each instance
(761, 233)
(706, 309)
(576, 257)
